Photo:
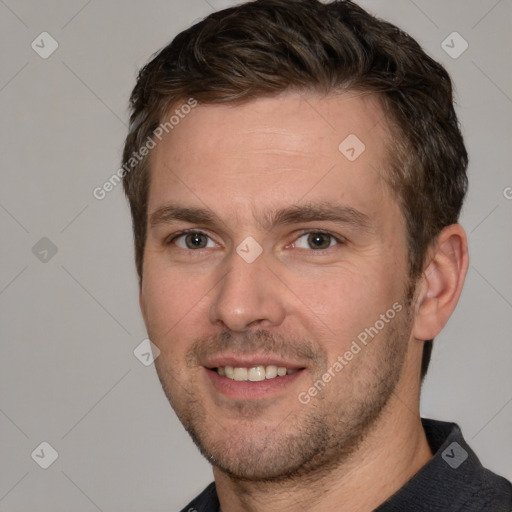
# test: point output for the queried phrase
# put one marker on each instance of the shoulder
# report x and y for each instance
(453, 480)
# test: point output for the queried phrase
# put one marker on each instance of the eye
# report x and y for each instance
(316, 240)
(193, 240)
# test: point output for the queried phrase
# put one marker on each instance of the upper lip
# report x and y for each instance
(250, 362)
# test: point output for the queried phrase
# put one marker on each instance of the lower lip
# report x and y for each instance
(245, 390)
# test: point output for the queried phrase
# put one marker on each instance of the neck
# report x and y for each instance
(392, 452)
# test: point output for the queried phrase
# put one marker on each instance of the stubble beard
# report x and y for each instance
(312, 438)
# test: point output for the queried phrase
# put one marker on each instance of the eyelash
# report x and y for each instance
(339, 239)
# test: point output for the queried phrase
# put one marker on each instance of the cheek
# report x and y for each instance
(172, 301)
(343, 303)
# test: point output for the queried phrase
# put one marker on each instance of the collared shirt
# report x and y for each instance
(453, 480)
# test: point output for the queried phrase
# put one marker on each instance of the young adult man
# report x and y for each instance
(295, 219)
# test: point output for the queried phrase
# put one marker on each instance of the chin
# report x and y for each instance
(270, 453)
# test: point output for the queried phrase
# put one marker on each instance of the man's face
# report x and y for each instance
(268, 248)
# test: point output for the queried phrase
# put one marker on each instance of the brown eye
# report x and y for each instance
(196, 240)
(319, 240)
(193, 240)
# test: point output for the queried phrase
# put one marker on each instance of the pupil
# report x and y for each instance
(319, 241)
(195, 240)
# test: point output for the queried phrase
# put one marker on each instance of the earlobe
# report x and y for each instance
(442, 282)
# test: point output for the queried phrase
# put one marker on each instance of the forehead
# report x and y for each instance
(272, 152)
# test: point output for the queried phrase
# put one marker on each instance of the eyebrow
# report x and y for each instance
(314, 212)
(296, 214)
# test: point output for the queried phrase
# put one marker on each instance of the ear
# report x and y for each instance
(441, 285)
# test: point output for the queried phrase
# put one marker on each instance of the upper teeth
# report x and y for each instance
(254, 374)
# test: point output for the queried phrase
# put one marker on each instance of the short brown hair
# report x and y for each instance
(265, 47)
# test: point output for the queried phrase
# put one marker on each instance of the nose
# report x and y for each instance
(249, 296)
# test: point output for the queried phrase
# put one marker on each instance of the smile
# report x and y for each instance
(254, 373)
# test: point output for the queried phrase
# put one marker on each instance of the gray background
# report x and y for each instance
(70, 323)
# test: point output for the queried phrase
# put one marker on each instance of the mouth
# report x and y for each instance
(251, 378)
(254, 373)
